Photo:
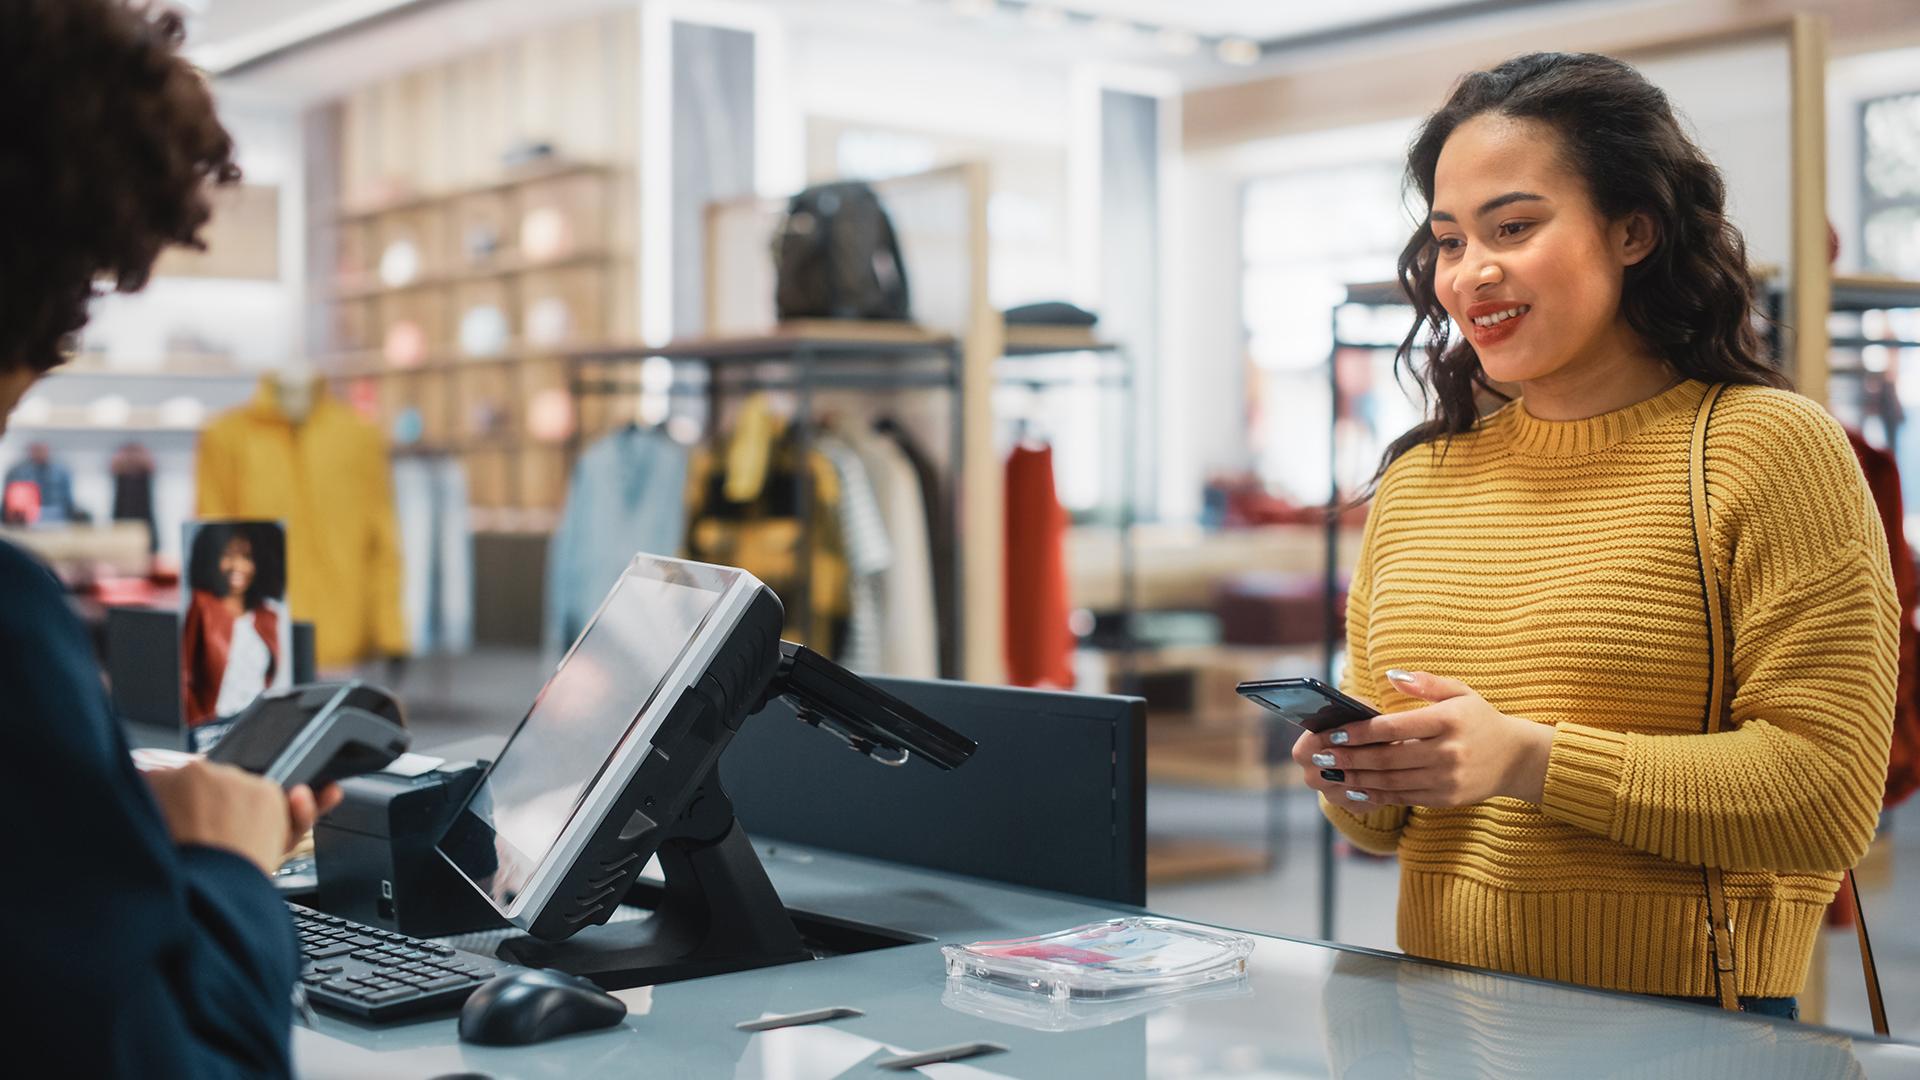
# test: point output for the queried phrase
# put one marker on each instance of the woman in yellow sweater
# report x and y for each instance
(1529, 607)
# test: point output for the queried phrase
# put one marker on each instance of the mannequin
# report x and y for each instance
(296, 386)
(297, 456)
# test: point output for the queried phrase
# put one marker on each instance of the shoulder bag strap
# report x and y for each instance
(1719, 923)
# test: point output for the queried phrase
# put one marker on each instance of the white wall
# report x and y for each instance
(1850, 82)
(258, 321)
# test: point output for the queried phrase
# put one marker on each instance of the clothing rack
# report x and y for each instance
(1102, 365)
(1368, 295)
(807, 359)
(1854, 295)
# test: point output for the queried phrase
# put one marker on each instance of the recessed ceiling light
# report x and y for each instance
(1239, 51)
(974, 9)
(1115, 31)
(1179, 42)
(1046, 16)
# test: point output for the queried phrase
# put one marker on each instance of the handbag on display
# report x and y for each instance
(836, 257)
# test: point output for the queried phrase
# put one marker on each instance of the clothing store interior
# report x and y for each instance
(1039, 357)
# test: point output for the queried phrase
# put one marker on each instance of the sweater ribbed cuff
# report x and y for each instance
(1583, 777)
(1376, 833)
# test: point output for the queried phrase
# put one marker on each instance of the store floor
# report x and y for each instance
(469, 703)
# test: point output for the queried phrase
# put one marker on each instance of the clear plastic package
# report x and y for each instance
(1052, 1015)
(1120, 958)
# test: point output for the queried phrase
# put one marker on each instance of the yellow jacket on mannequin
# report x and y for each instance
(327, 476)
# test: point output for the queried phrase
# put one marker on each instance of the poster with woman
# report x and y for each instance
(235, 634)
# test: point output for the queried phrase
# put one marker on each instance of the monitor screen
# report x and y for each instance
(596, 703)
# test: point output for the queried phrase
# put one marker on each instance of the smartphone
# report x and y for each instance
(1309, 703)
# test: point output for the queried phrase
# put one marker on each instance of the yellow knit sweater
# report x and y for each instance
(1551, 567)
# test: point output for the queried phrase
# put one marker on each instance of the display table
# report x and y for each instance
(1306, 1009)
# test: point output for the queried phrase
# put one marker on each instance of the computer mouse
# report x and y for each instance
(534, 1006)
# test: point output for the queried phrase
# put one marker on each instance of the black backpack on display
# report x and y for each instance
(835, 257)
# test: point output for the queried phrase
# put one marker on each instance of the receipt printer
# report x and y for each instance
(375, 857)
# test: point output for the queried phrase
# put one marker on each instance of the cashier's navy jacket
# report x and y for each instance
(124, 954)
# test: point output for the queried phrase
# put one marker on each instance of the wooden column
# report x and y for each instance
(983, 502)
(1810, 279)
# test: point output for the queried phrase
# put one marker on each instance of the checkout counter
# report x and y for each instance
(1306, 1009)
(1041, 830)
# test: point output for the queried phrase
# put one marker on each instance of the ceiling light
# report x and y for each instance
(1239, 51)
(1115, 31)
(1045, 17)
(1179, 42)
(973, 9)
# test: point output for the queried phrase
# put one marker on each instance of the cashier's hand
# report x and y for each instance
(1457, 751)
(219, 806)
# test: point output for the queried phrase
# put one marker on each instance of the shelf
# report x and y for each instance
(372, 365)
(356, 288)
(65, 372)
(530, 175)
(783, 340)
(1033, 340)
(1864, 292)
(57, 428)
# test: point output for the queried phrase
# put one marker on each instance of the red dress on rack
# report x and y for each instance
(1040, 637)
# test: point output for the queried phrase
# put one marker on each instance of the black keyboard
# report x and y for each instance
(378, 975)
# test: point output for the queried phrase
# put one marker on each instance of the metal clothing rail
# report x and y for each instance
(808, 363)
(1034, 363)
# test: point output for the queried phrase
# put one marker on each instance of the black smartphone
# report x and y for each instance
(1309, 703)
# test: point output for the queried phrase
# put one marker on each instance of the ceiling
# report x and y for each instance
(316, 48)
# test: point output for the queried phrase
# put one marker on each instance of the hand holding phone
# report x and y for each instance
(1309, 703)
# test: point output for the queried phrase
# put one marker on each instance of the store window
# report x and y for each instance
(1890, 184)
(1305, 237)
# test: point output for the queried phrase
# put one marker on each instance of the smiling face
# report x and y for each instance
(236, 565)
(1527, 266)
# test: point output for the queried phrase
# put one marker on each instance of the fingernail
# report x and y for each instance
(1333, 776)
(1339, 738)
(1324, 761)
(1396, 675)
(1357, 796)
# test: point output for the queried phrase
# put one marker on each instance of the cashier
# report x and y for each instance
(1530, 607)
(143, 936)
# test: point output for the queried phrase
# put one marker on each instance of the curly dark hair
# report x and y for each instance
(266, 546)
(108, 145)
(1691, 299)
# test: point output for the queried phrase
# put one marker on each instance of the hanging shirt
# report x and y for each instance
(327, 477)
(54, 483)
(1883, 480)
(764, 535)
(910, 648)
(627, 496)
(1040, 639)
(869, 557)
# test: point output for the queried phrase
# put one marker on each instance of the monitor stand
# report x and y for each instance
(718, 912)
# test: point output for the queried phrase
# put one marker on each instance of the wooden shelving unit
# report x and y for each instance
(418, 279)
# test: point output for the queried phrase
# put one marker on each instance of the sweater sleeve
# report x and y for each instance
(1376, 832)
(1794, 782)
(384, 569)
(146, 958)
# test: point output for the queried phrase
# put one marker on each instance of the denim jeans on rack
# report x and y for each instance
(436, 551)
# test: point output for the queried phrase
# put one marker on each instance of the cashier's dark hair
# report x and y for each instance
(1691, 299)
(266, 545)
(108, 147)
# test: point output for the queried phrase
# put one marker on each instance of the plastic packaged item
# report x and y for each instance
(1036, 1013)
(1119, 958)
